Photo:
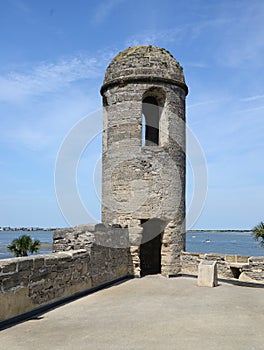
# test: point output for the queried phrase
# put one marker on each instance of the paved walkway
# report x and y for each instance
(149, 313)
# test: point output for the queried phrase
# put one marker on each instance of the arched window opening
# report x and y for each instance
(150, 121)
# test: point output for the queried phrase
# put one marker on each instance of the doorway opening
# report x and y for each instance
(150, 248)
(236, 272)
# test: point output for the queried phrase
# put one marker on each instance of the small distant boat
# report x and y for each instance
(193, 236)
(207, 241)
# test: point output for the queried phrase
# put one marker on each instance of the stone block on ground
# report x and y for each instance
(207, 273)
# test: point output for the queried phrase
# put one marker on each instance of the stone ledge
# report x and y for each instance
(142, 79)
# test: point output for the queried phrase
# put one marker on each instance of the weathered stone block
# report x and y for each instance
(38, 262)
(230, 258)
(40, 274)
(242, 259)
(207, 274)
(51, 259)
(25, 264)
(256, 259)
(9, 268)
(12, 282)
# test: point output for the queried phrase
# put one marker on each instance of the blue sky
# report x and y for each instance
(52, 63)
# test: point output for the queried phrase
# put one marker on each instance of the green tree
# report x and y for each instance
(258, 233)
(23, 245)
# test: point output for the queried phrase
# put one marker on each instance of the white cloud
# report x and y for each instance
(241, 42)
(53, 120)
(154, 37)
(188, 32)
(235, 36)
(22, 6)
(252, 98)
(253, 109)
(48, 77)
(196, 65)
(204, 103)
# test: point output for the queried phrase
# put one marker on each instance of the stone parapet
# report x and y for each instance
(28, 283)
(86, 236)
(233, 267)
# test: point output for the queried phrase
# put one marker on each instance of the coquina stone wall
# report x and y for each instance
(234, 267)
(30, 282)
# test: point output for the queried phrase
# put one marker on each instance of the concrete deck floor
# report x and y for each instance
(149, 313)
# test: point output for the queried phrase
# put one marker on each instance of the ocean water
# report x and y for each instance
(6, 238)
(239, 243)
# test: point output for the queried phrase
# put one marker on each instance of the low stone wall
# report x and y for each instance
(89, 256)
(234, 267)
(30, 282)
(85, 236)
(108, 247)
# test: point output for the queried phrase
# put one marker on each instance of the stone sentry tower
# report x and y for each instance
(143, 185)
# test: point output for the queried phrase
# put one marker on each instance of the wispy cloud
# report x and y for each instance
(236, 42)
(246, 110)
(22, 6)
(196, 64)
(30, 137)
(55, 118)
(203, 103)
(104, 10)
(151, 37)
(253, 98)
(48, 77)
(189, 31)
(242, 42)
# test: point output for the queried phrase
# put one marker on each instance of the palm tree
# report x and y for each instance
(23, 245)
(258, 233)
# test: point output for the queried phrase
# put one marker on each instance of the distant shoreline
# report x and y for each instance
(27, 229)
(32, 229)
(219, 230)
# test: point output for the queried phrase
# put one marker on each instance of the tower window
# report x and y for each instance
(150, 122)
